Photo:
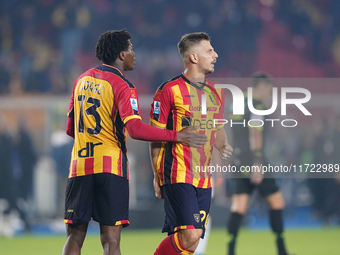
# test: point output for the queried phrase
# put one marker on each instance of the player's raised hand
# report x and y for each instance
(226, 150)
(189, 137)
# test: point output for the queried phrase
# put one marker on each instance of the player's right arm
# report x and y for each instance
(160, 110)
(155, 148)
(130, 115)
(140, 131)
(161, 107)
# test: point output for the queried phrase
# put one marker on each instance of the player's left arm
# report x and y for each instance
(222, 144)
(160, 109)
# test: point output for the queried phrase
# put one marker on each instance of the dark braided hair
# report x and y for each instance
(111, 44)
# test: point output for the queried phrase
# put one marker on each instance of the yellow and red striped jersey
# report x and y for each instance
(103, 100)
(176, 105)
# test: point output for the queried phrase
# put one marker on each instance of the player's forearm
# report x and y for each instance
(140, 131)
(154, 152)
(155, 148)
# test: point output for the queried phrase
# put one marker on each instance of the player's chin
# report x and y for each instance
(211, 70)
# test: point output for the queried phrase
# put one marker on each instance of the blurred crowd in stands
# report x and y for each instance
(45, 44)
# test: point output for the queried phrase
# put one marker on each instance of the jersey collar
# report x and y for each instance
(197, 85)
(201, 85)
(113, 68)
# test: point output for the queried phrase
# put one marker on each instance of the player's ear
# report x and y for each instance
(122, 55)
(193, 58)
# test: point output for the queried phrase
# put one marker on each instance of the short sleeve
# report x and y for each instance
(161, 106)
(127, 102)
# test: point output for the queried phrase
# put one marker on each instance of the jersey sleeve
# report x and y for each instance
(140, 131)
(127, 102)
(161, 106)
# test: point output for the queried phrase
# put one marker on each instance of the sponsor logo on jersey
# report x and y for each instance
(88, 151)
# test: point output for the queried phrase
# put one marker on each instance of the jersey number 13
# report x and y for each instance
(92, 110)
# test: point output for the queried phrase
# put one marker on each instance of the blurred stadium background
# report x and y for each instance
(46, 44)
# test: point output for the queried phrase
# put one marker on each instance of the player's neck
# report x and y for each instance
(194, 75)
(118, 65)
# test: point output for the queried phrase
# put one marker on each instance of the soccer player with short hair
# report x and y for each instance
(248, 146)
(177, 104)
(104, 104)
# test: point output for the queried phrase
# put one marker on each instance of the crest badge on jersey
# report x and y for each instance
(197, 217)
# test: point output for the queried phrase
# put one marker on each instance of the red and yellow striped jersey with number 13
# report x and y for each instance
(103, 100)
(176, 105)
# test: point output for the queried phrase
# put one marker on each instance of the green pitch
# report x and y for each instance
(301, 242)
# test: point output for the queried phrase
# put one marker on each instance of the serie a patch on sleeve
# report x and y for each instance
(134, 105)
(157, 107)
